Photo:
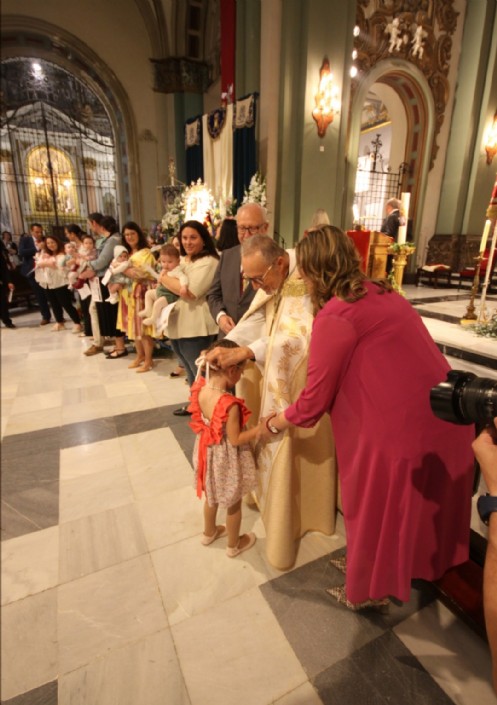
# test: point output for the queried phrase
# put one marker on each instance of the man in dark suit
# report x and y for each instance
(228, 297)
(393, 219)
(6, 285)
(29, 245)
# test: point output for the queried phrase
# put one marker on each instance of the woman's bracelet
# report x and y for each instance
(270, 427)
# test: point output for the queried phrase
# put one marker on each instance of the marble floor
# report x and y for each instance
(108, 597)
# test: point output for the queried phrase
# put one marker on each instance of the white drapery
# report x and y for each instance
(218, 157)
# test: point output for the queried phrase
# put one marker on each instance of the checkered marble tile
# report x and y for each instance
(109, 596)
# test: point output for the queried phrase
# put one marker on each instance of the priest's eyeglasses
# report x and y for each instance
(258, 280)
(252, 229)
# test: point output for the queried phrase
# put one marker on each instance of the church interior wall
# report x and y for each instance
(398, 126)
(303, 171)
(463, 152)
(116, 33)
(271, 17)
(482, 175)
(248, 41)
(311, 168)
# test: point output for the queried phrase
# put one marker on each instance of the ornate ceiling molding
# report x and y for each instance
(417, 31)
(180, 75)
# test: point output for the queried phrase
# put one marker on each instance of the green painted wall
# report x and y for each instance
(248, 47)
(467, 182)
(186, 105)
(312, 169)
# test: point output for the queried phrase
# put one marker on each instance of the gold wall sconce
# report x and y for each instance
(491, 140)
(326, 99)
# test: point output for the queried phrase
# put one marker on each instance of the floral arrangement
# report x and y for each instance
(406, 248)
(488, 329)
(197, 203)
(256, 192)
(222, 210)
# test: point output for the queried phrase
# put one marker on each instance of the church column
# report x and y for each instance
(312, 168)
(269, 98)
(187, 80)
(468, 180)
(248, 42)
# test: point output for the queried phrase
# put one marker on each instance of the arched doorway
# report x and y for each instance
(412, 118)
(41, 41)
(58, 155)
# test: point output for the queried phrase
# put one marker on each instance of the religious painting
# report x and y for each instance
(374, 114)
(51, 182)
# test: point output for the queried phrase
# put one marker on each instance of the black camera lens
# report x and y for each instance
(465, 398)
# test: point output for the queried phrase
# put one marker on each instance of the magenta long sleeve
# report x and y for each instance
(332, 342)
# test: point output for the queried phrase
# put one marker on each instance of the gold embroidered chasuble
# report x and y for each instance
(297, 478)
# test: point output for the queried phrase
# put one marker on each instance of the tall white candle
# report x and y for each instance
(484, 237)
(405, 199)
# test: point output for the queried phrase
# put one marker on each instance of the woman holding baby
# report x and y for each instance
(191, 327)
(132, 298)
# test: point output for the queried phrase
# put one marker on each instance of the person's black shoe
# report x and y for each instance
(182, 411)
(10, 325)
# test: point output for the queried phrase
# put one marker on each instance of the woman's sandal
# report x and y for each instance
(145, 368)
(234, 552)
(382, 606)
(219, 533)
(135, 363)
(340, 562)
(114, 354)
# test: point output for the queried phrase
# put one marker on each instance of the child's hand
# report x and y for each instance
(259, 431)
(183, 291)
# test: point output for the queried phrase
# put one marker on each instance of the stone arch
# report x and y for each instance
(34, 38)
(411, 86)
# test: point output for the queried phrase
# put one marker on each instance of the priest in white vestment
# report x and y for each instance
(297, 489)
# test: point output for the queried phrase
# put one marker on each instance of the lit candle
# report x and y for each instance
(405, 198)
(484, 237)
(355, 212)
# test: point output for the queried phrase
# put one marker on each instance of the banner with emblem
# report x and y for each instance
(217, 134)
(194, 150)
(244, 147)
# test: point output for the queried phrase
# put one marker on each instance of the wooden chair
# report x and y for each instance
(432, 273)
(468, 273)
(362, 242)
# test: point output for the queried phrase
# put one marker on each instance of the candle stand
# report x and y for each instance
(400, 254)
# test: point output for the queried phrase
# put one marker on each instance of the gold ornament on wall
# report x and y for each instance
(326, 99)
(422, 37)
(491, 140)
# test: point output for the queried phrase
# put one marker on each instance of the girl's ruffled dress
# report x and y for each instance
(224, 472)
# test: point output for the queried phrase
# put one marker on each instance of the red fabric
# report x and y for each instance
(213, 432)
(470, 271)
(361, 240)
(406, 477)
(228, 43)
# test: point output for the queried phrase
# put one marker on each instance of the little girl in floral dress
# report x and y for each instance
(223, 460)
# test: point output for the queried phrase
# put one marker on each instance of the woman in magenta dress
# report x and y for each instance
(406, 476)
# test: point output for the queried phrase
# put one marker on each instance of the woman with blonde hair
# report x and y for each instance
(406, 476)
